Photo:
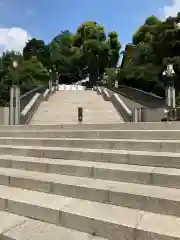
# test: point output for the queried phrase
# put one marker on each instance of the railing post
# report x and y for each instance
(80, 114)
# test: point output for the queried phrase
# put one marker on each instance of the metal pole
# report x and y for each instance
(166, 95)
(169, 96)
(50, 80)
(57, 81)
(17, 107)
(173, 97)
(12, 101)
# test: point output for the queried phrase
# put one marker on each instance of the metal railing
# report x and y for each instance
(131, 111)
(141, 97)
(30, 101)
(26, 97)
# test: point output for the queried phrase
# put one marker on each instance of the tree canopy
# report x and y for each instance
(88, 51)
(91, 51)
(155, 44)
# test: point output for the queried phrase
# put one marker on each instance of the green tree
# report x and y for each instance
(98, 53)
(147, 31)
(114, 49)
(111, 76)
(32, 73)
(156, 43)
(66, 56)
(37, 48)
(8, 76)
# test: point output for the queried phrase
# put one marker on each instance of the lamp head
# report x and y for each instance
(15, 64)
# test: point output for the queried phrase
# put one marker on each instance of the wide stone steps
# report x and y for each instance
(144, 158)
(144, 197)
(62, 107)
(83, 181)
(102, 219)
(93, 134)
(171, 126)
(15, 227)
(157, 176)
(74, 120)
(116, 144)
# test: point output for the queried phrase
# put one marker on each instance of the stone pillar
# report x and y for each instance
(135, 115)
(171, 97)
(139, 115)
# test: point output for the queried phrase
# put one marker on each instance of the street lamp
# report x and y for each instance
(15, 96)
(15, 66)
(169, 74)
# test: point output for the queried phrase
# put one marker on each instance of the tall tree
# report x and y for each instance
(37, 48)
(98, 52)
(66, 56)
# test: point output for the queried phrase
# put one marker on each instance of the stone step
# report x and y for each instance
(74, 126)
(144, 158)
(101, 134)
(15, 227)
(74, 120)
(143, 197)
(116, 126)
(116, 144)
(157, 176)
(99, 219)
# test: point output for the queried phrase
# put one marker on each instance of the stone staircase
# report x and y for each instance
(62, 107)
(90, 182)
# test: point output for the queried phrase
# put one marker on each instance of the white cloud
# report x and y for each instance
(13, 39)
(173, 9)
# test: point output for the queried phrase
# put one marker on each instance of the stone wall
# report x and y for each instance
(4, 116)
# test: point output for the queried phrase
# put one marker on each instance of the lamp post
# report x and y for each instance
(50, 80)
(15, 97)
(55, 77)
(169, 74)
(57, 81)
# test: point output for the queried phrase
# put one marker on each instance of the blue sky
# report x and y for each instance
(44, 19)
